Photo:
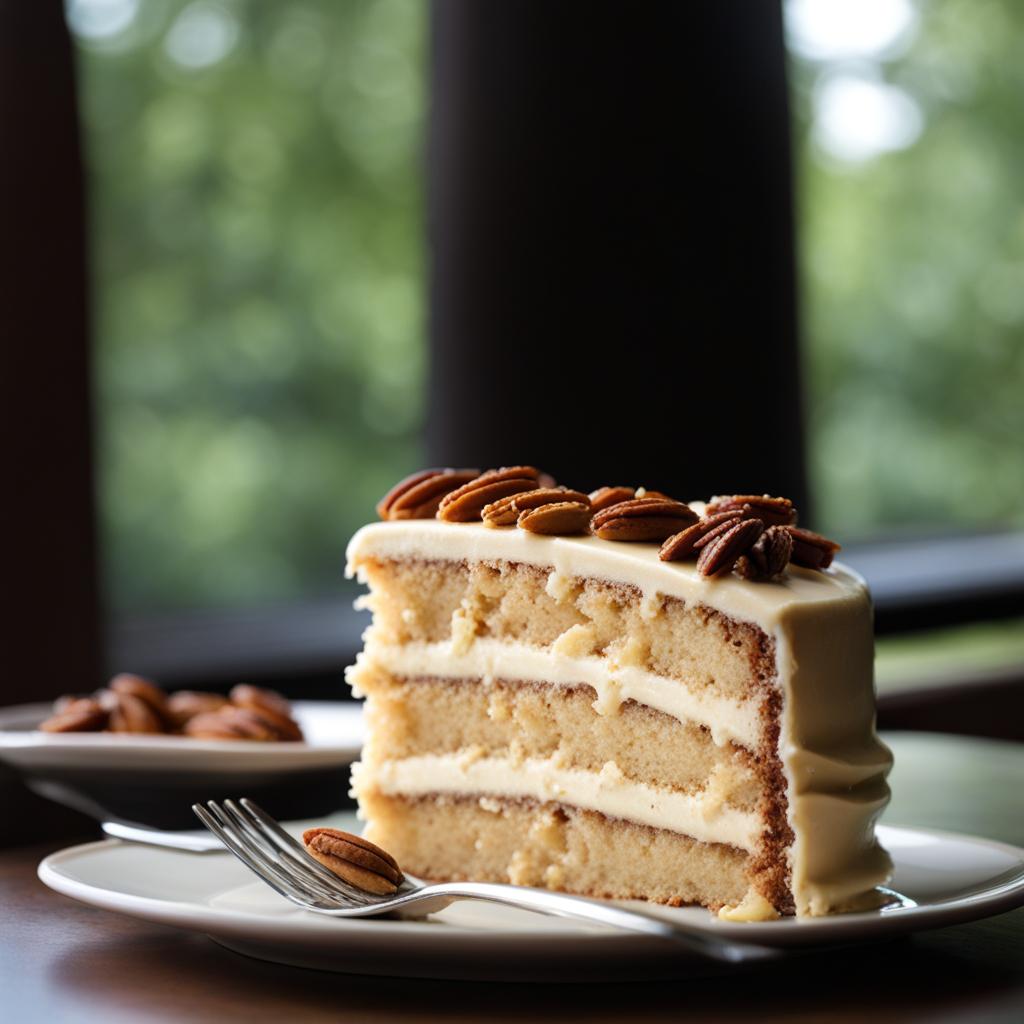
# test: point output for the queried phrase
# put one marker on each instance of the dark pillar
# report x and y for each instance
(610, 223)
(49, 553)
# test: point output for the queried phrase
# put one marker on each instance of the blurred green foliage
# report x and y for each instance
(913, 286)
(256, 206)
(256, 196)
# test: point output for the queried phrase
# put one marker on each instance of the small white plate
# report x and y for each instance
(953, 878)
(333, 731)
(154, 780)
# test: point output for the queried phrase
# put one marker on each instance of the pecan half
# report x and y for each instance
(76, 714)
(687, 542)
(357, 861)
(230, 723)
(768, 556)
(506, 511)
(720, 555)
(127, 682)
(810, 549)
(771, 511)
(418, 495)
(270, 706)
(557, 518)
(184, 705)
(642, 519)
(604, 497)
(129, 713)
(465, 504)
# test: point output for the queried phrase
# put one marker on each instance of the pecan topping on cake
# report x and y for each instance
(523, 496)
(642, 519)
(771, 511)
(557, 518)
(721, 554)
(508, 510)
(465, 504)
(810, 549)
(418, 495)
(354, 859)
(604, 497)
(768, 556)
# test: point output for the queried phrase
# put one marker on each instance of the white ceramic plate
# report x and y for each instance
(333, 731)
(154, 780)
(953, 878)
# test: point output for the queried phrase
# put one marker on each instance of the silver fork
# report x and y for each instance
(260, 843)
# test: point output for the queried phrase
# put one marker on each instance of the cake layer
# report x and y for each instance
(409, 717)
(798, 649)
(429, 602)
(613, 684)
(547, 845)
(698, 815)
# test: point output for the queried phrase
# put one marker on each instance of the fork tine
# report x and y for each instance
(273, 832)
(239, 851)
(291, 887)
(283, 860)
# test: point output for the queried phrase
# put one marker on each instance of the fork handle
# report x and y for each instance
(436, 897)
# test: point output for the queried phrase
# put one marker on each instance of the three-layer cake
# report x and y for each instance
(589, 715)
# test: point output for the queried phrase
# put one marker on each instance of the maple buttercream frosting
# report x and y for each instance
(619, 695)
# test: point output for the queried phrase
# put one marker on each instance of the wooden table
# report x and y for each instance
(61, 960)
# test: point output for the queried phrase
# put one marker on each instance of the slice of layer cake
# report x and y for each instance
(595, 716)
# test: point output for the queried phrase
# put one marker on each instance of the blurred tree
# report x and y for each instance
(256, 207)
(911, 165)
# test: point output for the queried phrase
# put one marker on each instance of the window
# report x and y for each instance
(910, 177)
(256, 187)
(255, 194)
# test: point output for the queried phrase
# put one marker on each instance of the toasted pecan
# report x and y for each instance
(642, 519)
(270, 706)
(556, 518)
(76, 714)
(356, 860)
(768, 556)
(721, 554)
(418, 495)
(771, 511)
(129, 713)
(466, 503)
(183, 705)
(604, 497)
(811, 550)
(231, 723)
(506, 511)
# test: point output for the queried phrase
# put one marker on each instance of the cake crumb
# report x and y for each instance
(650, 605)
(559, 587)
(576, 642)
(463, 629)
(409, 616)
(489, 804)
(609, 698)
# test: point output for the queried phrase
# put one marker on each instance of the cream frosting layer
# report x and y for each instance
(834, 764)
(702, 816)
(728, 720)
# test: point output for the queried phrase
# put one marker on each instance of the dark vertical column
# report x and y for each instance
(51, 621)
(611, 242)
